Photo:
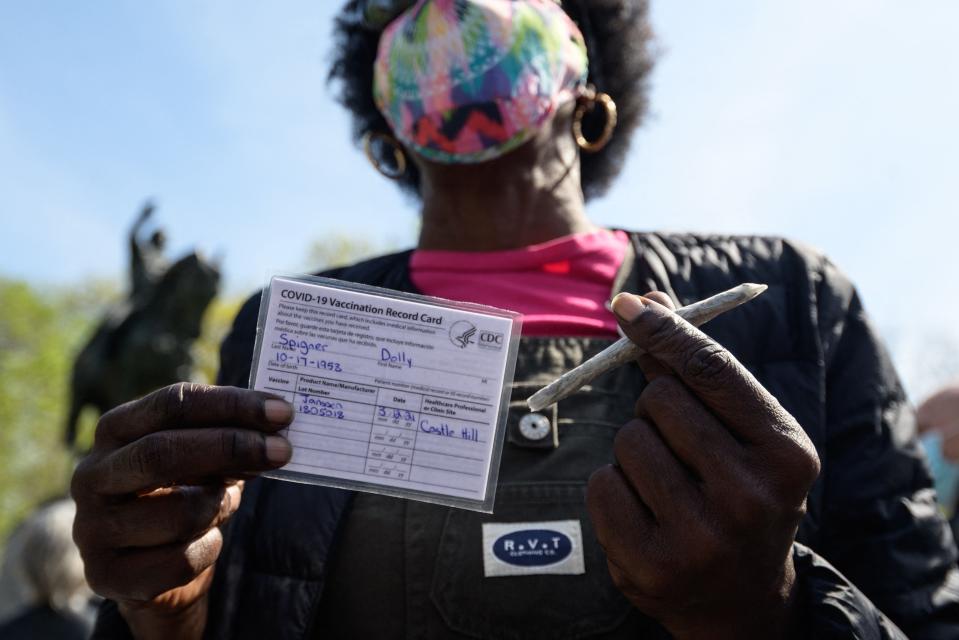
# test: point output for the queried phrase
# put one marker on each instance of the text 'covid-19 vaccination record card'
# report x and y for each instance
(394, 393)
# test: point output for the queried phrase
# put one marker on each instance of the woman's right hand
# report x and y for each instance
(163, 474)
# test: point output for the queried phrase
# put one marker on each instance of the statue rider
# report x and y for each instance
(147, 263)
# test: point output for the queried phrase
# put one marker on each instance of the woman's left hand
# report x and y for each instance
(699, 514)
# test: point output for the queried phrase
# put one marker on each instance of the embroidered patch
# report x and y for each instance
(533, 548)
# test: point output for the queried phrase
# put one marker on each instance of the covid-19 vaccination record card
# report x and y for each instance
(394, 393)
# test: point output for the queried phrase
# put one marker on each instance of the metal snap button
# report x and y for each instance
(534, 426)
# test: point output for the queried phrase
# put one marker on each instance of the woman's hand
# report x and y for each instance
(163, 474)
(699, 514)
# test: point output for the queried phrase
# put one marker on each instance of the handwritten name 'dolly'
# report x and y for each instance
(397, 360)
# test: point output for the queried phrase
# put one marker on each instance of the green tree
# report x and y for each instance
(40, 331)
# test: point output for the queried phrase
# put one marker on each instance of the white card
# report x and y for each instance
(393, 393)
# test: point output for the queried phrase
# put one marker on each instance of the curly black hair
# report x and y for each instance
(619, 43)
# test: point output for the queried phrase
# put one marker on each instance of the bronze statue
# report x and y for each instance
(144, 342)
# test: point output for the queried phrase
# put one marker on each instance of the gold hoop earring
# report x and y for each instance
(399, 157)
(588, 103)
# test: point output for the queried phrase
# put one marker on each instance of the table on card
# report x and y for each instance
(382, 432)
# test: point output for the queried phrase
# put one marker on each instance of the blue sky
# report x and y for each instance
(832, 123)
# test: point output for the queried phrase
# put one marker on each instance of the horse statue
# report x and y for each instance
(144, 343)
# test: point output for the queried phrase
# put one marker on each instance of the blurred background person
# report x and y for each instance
(43, 592)
(938, 417)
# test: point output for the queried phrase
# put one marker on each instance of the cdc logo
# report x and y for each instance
(491, 340)
(462, 333)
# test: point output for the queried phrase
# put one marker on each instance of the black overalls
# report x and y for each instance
(405, 569)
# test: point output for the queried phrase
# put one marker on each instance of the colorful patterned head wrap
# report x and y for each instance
(463, 81)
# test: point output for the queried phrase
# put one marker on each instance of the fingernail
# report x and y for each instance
(627, 306)
(278, 450)
(278, 411)
(233, 493)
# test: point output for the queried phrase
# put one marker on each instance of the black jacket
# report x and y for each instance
(874, 557)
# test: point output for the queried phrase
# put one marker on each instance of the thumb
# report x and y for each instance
(651, 367)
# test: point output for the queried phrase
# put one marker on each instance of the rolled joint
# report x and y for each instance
(624, 350)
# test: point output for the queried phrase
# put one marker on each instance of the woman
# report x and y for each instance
(714, 521)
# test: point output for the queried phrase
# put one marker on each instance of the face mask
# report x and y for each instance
(464, 81)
